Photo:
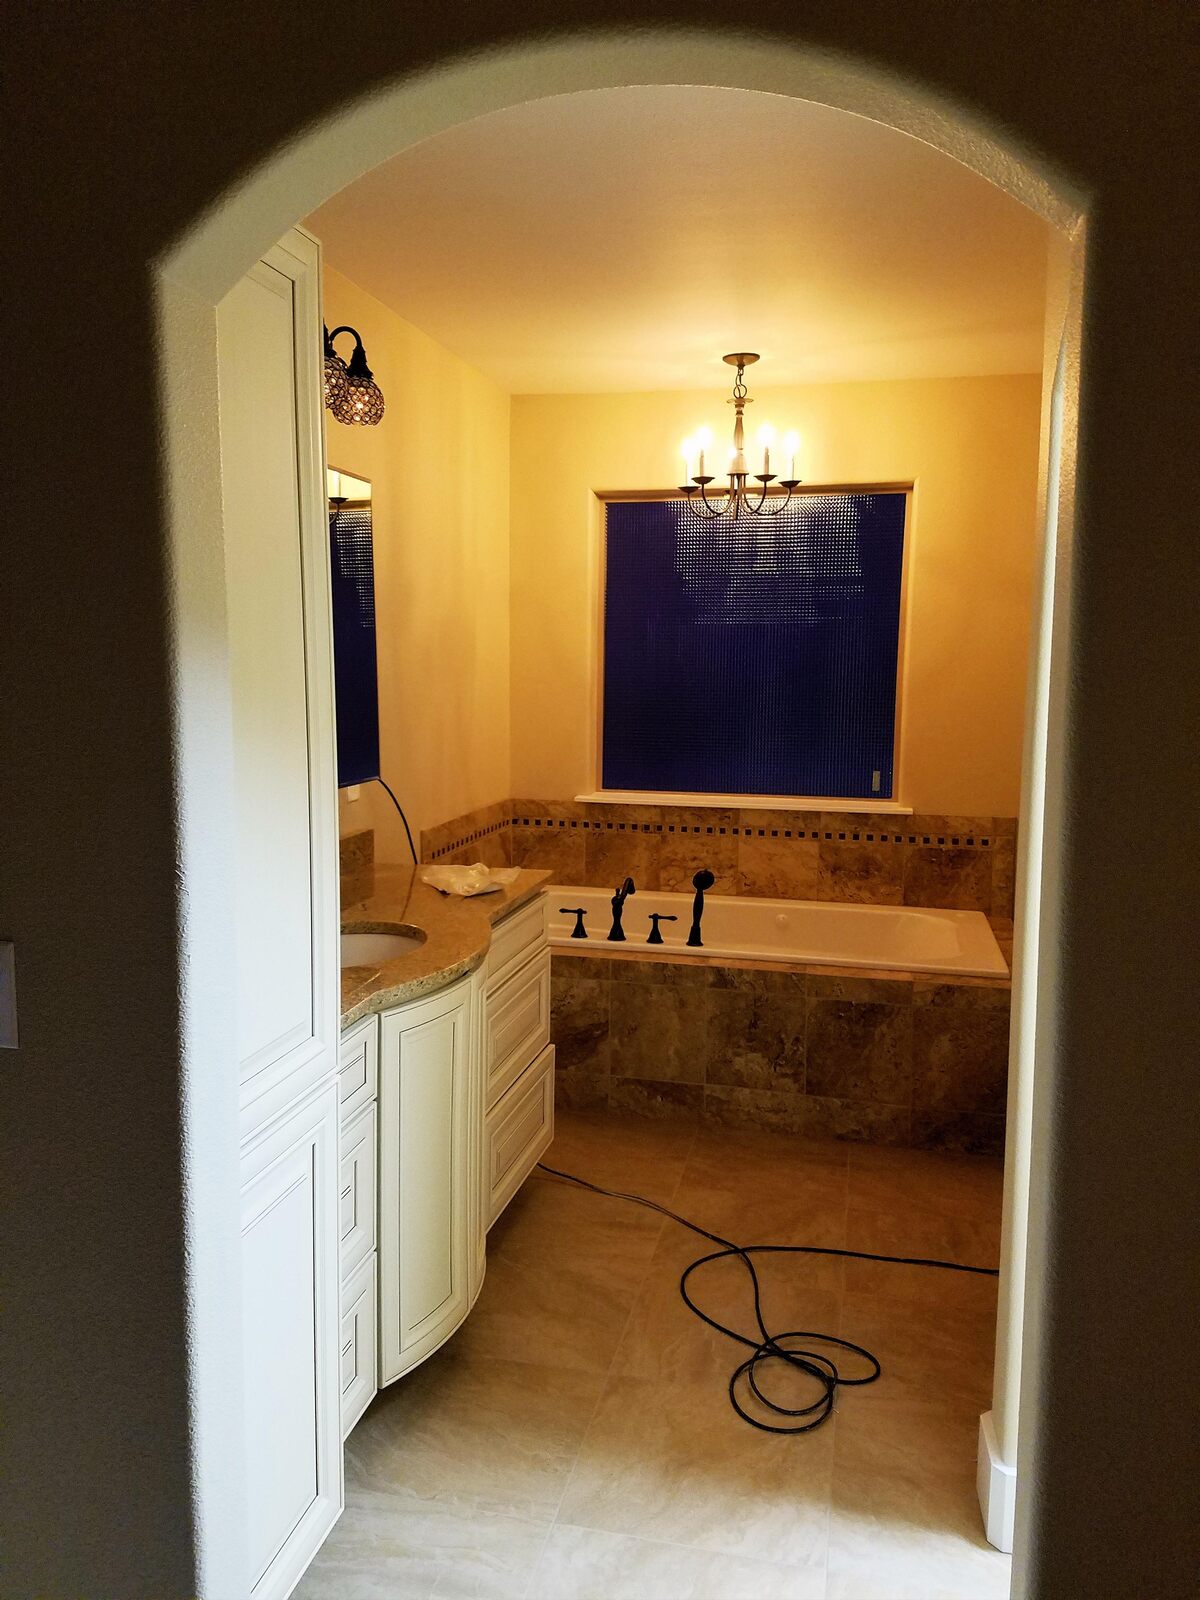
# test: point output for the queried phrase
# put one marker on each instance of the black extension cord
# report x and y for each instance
(770, 1346)
(403, 818)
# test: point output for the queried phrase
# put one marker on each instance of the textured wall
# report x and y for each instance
(438, 465)
(164, 112)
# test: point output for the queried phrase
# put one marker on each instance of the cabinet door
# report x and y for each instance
(290, 1324)
(425, 1211)
(281, 679)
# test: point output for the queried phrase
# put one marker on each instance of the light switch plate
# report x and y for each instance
(8, 996)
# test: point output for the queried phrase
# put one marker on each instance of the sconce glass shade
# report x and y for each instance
(351, 392)
(336, 380)
(362, 401)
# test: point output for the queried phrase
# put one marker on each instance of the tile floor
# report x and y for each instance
(574, 1440)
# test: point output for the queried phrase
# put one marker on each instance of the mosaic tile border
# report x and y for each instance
(928, 858)
(848, 835)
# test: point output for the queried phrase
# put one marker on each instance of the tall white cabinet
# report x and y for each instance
(269, 350)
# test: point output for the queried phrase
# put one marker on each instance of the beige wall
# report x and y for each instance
(970, 446)
(438, 465)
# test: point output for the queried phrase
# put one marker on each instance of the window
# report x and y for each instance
(753, 657)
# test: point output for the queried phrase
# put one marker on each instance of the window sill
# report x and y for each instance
(743, 802)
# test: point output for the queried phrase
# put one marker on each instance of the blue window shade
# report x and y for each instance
(753, 657)
(355, 679)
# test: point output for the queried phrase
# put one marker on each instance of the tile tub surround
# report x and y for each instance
(883, 1058)
(951, 862)
(574, 1441)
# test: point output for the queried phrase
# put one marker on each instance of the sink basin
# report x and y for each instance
(371, 949)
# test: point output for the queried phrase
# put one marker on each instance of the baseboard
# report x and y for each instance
(996, 1483)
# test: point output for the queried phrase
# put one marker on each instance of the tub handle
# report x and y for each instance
(655, 918)
(578, 912)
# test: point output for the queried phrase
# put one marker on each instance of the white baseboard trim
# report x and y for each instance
(996, 1483)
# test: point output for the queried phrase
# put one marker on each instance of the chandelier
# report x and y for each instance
(738, 497)
(351, 392)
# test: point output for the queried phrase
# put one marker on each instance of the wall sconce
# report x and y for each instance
(351, 392)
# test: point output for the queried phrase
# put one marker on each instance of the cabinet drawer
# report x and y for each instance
(516, 1024)
(517, 1130)
(358, 1067)
(515, 939)
(358, 1372)
(356, 1190)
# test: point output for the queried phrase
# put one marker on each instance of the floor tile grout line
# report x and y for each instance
(600, 1393)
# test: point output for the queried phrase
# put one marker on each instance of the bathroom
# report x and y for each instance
(779, 1008)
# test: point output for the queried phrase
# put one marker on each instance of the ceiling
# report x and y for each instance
(625, 239)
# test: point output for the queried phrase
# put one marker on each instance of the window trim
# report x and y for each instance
(895, 805)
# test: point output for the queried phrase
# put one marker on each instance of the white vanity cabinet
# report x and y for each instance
(445, 1104)
(358, 1206)
(518, 1055)
(428, 1206)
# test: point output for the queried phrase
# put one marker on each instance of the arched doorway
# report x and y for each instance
(193, 278)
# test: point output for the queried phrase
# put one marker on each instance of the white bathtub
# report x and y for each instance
(817, 933)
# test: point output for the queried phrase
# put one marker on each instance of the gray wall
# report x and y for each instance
(125, 123)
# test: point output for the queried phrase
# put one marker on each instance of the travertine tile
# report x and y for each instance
(968, 1132)
(629, 1154)
(948, 878)
(440, 1433)
(682, 855)
(580, 1091)
(756, 1033)
(646, 1098)
(879, 1178)
(928, 1353)
(390, 1546)
(809, 1115)
(787, 869)
(583, 1564)
(579, 1023)
(618, 853)
(973, 994)
(905, 1517)
(1004, 876)
(906, 1232)
(849, 983)
(860, 1050)
(960, 1058)
(870, 873)
(659, 1032)
(672, 1462)
(557, 850)
(574, 1440)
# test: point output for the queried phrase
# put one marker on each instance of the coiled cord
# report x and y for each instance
(770, 1347)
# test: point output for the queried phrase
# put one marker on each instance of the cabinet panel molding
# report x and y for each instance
(290, 1324)
(424, 1187)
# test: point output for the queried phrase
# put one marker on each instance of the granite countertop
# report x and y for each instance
(457, 935)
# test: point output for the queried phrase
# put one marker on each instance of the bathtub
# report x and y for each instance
(808, 932)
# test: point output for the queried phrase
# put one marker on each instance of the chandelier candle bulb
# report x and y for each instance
(766, 438)
(739, 499)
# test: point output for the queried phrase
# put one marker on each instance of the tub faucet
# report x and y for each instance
(702, 881)
(655, 931)
(617, 933)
